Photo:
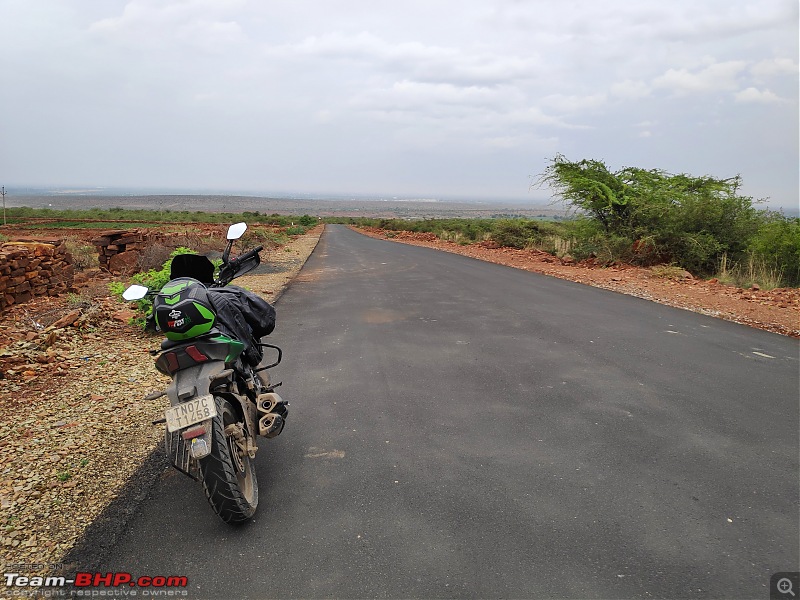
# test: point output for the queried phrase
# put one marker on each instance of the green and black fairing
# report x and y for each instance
(183, 309)
(212, 347)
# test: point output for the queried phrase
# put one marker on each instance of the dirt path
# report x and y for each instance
(73, 422)
(774, 310)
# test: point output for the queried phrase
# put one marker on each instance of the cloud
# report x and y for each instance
(755, 96)
(417, 96)
(203, 24)
(630, 90)
(413, 59)
(717, 77)
(775, 67)
(444, 114)
(575, 104)
(727, 20)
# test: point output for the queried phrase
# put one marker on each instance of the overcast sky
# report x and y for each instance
(431, 98)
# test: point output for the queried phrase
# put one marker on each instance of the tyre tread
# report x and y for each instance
(219, 478)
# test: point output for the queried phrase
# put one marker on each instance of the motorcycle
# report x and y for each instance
(221, 398)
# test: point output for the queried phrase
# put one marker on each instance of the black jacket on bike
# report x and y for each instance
(241, 314)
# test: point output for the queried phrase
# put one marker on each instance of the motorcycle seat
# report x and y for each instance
(167, 344)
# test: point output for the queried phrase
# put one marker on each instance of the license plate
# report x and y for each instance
(190, 412)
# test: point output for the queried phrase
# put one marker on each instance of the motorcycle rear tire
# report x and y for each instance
(232, 492)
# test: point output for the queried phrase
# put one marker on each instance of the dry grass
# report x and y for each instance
(752, 271)
(669, 272)
(153, 256)
(84, 256)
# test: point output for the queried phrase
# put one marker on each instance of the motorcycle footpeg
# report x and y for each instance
(271, 425)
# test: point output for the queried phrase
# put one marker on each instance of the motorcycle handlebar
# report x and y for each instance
(252, 252)
(235, 263)
(246, 256)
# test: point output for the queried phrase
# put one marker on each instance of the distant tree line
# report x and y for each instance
(637, 216)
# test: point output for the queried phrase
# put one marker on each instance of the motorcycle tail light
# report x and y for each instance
(193, 432)
(172, 362)
(196, 354)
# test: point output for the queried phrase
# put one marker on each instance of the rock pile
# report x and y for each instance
(120, 250)
(29, 269)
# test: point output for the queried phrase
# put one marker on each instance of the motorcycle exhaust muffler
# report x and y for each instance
(268, 403)
(270, 425)
(274, 412)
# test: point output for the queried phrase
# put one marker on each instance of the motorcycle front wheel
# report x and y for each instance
(229, 476)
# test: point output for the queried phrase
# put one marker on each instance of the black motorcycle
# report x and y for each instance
(220, 397)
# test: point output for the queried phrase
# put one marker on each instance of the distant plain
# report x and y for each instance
(388, 208)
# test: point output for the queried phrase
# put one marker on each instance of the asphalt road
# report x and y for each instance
(463, 429)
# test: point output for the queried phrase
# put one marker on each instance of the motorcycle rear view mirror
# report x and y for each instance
(135, 292)
(236, 231)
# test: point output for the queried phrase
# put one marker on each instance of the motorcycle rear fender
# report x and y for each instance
(185, 385)
(196, 381)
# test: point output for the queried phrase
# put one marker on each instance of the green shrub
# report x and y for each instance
(777, 245)
(307, 221)
(650, 216)
(606, 249)
(522, 233)
(154, 280)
